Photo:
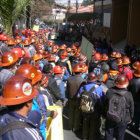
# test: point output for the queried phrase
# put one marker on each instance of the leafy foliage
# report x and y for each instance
(10, 10)
(87, 2)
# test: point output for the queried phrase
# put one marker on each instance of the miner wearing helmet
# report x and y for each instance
(119, 110)
(91, 122)
(73, 84)
(134, 87)
(35, 76)
(18, 94)
(8, 63)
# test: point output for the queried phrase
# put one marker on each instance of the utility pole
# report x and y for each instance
(68, 9)
(76, 6)
(102, 12)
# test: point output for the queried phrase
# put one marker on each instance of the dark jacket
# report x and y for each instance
(19, 134)
(73, 86)
(134, 87)
(129, 102)
(53, 89)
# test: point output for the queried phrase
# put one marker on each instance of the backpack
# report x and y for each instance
(110, 81)
(117, 107)
(98, 69)
(88, 100)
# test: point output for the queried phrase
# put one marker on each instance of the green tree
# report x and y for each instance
(87, 2)
(11, 10)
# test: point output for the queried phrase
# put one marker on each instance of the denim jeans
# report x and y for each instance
(115, 130)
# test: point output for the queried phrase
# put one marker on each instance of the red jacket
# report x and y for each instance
(127, 72)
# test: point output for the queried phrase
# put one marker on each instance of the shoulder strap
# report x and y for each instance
(84, 87)
(92, 89)
(13, 126)
(126, 71)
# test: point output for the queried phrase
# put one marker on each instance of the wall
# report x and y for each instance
(119, 20)
(133, 36)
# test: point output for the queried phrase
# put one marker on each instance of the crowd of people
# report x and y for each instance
(36, 73)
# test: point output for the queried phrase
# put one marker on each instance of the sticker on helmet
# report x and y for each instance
(32, 75)
(27, 88)
(10, 59)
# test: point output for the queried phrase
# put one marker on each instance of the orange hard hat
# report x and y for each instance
(55, 46)
(17, 90)
(57, 70)
(137, 72)
(46, 54)
(84, 67)
(11, 41)
(118, 55)
(136, 64)
(54, 50)
(50, 43)
(39, 46)
(77, 68)
(126, 60)
(78, 54)
(121, 81)
(79, 49)
(73, 47)
(113, 54)
(19, 52)
(30, 72)
(37, 56)
(26, 42)
(69, 50)
(8, 58)
(104, 57)
(97, 56)
(33, 40)
(18, 40)
(63, 47)
(51, 58)
(119, 62)
(64, 53)
(18, 37)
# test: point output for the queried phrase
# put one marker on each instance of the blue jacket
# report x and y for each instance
(19, 134)
(98, 90)
(61, 86)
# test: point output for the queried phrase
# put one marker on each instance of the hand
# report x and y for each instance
(55, 114)
(129, 122)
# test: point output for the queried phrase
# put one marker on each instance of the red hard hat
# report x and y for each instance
(19, 52)
(17, 90)
(1, 36)
(30, 72)
(97, 56)
(4, 38)
(136, 64)
(8, 58)
(23, 31)
(57, 69)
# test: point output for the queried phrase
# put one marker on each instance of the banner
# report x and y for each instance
(86, 48)
(55, 126)
(36, 28)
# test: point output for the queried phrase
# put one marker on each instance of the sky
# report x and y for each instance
(66, 1)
